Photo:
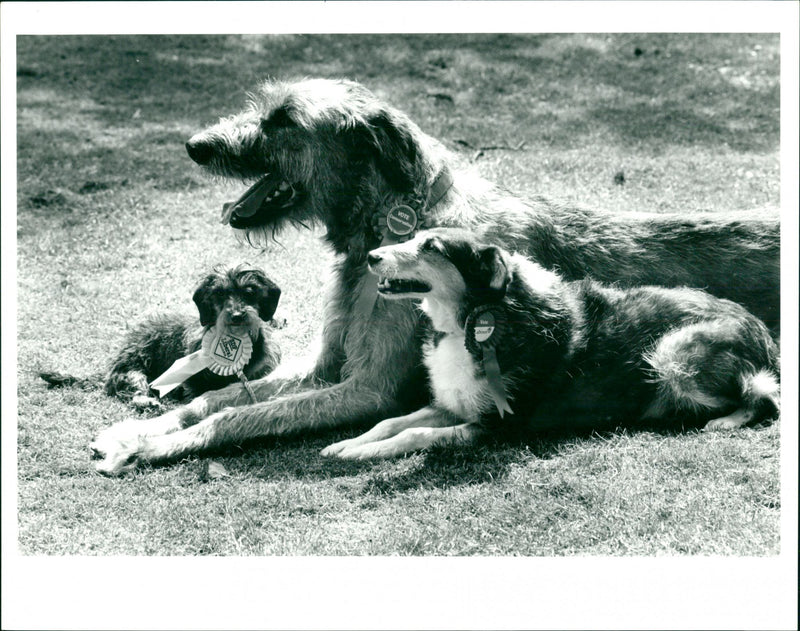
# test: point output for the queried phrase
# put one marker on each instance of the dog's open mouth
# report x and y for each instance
(263, 199)
(402, 286)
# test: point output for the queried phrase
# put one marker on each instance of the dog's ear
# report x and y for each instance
(203, 298)
(269, 295)
(394, 149)
(494, 268)
(268, 303)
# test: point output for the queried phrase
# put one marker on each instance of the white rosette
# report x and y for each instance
(222, 352)
(226, 353)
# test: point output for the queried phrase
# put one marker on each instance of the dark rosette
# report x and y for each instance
(485, 327)
(398, 223)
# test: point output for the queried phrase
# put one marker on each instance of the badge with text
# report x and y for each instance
(398, 224)
(484, 329)
(227, 353)
(401, 221)
(484, 326)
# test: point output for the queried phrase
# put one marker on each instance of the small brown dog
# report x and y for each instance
(241, 300)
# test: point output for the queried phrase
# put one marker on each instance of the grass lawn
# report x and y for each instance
(115, 222)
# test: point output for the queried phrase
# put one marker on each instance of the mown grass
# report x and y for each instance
(114, 223)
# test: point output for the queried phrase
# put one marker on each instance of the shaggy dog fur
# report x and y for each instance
(241, 299)
(331, 152)
(571, 354)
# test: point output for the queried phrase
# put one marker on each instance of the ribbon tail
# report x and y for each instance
(179, 372)
(369, 290)
(366, 299)
(496, 388)
(247, 386)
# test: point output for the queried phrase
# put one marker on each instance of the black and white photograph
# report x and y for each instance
(397, 321)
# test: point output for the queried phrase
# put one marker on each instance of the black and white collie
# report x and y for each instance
(509, 336)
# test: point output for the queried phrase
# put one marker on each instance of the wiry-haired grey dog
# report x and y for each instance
(331, 152)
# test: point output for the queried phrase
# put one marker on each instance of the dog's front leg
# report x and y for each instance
(130, 430)
(318, 366)
(426, 417)
(414, 439)
(341, 404)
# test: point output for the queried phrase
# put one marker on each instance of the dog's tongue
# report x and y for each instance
(251, 200)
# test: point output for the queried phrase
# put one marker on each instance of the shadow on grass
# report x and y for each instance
(441, 467)
(437, 468)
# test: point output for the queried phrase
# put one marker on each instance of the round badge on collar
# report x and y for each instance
(485, 326)
(227, 353)
(401, 221)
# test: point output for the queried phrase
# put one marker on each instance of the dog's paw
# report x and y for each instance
(336, 448)
(722, 424)
(111, 436)
(366, 451)
(121, 458)
(359, 448)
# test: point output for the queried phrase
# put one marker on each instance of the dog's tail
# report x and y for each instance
(60, 380)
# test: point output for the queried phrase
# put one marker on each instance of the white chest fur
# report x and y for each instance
(457, 385)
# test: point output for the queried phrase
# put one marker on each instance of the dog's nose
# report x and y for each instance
(237, 317)
(374, 259)
(199, 150)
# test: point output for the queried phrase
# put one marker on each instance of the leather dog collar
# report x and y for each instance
(439, 188)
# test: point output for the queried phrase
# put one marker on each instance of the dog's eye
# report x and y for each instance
(433, 245)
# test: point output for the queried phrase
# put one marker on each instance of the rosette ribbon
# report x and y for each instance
(222, 352)
(485, 327)
(396, 225)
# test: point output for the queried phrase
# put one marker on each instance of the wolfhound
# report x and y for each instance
(240, 301)
(515, 346)
(331, 152)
